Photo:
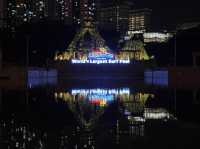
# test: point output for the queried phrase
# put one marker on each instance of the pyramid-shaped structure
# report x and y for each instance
(87, 38)
(137, 47)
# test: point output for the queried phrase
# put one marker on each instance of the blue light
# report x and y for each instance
(158, 77)
(101, 97)
(100, 56)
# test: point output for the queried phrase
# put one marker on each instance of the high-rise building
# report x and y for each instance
(17, 12)
(20, 11)
(68, 11)
(11, 14)
(140, 20)
(51, 9)
(98, 4)
(114, 17)
(87, 9)
(63, 10)
(76, 12)
(40, 8)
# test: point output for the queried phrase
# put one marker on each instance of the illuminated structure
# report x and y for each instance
(87, 8)
(150, 37)
(40, 8)
(74, 12)
(20, 11)
(139, 20)
(157, 37)
(89, 47)
(114, 16)
(134, 49)
(64, 10)
(87, 44)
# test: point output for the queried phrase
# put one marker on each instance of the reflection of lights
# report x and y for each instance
(136, 119)
(100, 102)
(101, 91)
(101, 97)
(156, 113)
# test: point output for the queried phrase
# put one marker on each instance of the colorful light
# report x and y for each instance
(100, 54)
(76, 61)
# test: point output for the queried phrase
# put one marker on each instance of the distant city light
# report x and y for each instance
(156, 113)
(159, 37)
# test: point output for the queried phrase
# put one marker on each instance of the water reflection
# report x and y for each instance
(88, 117)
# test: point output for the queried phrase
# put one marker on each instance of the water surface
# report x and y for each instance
(99, 114)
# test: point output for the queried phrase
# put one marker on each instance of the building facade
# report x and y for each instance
(21, 11)
(40, 8)
(72, 11)
(114, 18)
(140, 20)
(68, 11)
(87, 9)
(114, 15)
(63, 11)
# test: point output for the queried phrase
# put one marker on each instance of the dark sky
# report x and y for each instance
(168, 12)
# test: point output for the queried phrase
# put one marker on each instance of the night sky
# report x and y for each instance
(167, 12)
